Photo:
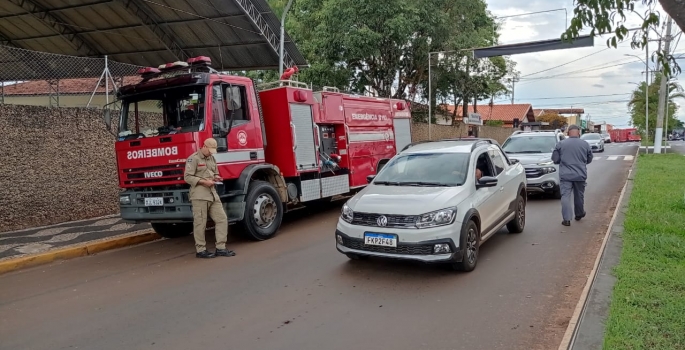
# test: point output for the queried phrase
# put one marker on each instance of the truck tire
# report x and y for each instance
(174, 230)
(518, 223)
(263, 211)
(469, 242)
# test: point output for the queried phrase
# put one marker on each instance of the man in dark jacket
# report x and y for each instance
(572, 155)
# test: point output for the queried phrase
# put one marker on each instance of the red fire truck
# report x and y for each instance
(279, 145)
(625, 135)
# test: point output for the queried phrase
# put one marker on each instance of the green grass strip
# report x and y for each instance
(648, 303)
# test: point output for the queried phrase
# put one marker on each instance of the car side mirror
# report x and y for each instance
(487, 181)
(513, 161)
(370, 178)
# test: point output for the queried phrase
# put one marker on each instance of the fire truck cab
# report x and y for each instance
(280, 146)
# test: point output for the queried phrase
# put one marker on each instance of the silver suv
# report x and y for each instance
(533, 149)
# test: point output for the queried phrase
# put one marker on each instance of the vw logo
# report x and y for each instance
(382, 220)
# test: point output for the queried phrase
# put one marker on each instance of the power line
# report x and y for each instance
(569, 62)
(567, 97)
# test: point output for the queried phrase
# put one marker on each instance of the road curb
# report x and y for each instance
(77, 251)
(574, 323)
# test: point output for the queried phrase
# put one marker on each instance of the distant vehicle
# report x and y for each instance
(678, 135)
(625, 135)
(533, 149)
(607, 137)
(427, 205)
(595, 141)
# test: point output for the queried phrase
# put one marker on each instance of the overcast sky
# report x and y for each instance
(608, 88)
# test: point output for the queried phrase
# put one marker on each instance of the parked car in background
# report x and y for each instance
(595, 141)
(427, 205)
(607, 138)
(533, 149)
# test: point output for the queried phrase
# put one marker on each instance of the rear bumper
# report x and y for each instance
(176, 208)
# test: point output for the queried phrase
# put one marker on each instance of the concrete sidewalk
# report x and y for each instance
(38, 240)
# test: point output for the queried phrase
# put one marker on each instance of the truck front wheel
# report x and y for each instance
(263, 211)
(175, 230)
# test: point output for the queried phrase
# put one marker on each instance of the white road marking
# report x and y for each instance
(612, 158)
(596, 158)
(628, 157)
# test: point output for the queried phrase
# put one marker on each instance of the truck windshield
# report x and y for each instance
(425, 170)
(530, 144)
(163, 112)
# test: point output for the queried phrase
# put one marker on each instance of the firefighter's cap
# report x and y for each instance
(210, 143)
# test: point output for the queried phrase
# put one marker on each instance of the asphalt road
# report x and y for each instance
(297, 292)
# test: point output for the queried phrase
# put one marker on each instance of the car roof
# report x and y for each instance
(466, 145)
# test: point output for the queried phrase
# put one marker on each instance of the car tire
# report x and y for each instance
(469, 242)
(518, 223)
(556, 194)
(260, 195)
(175, 230)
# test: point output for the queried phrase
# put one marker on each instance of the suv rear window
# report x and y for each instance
(530, 144)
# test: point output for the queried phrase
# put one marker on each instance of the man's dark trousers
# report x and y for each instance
(577, 190)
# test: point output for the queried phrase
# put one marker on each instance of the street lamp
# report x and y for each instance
(646, 62)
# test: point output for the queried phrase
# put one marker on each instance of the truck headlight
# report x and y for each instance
(347, 213)
(125, 199)
(437, 218)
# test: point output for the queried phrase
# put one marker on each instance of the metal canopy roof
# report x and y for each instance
(236, 34)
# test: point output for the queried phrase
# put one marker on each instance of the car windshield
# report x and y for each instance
(162, 112)
(425, 169)
(529, 144)
(590, 137)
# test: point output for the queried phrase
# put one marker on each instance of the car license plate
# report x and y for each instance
(380, 239)
(154, 202)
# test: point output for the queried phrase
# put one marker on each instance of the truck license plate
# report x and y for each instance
(154, 202)
(380, 239)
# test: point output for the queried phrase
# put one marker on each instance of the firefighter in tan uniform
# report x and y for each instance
(201, 172)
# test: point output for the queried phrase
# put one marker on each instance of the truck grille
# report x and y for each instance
(402, 248)
(156, 174)
(533, 172)
(397, 221)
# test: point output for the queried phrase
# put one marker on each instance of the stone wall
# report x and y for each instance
(58, 163)
(419, 132)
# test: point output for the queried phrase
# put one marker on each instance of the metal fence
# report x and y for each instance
(45, 79)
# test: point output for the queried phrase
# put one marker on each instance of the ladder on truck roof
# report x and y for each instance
(281, 83)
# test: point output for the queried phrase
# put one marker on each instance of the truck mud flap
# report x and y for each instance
(234, 207)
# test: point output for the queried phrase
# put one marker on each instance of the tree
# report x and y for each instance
(555, 120)
(609, 17)
(637, 105)
(381, 47)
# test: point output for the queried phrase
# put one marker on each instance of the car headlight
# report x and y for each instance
(546, 163)
(347, 213)
(437, 218)
(125, 199)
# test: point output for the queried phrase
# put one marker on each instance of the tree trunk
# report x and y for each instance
(675, 9)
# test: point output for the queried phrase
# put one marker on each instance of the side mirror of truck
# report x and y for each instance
(221, 144)
(370, 178)
(108, 119)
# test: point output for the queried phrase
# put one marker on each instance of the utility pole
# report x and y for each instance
(663, 93)
(513, 88)
(282, 38)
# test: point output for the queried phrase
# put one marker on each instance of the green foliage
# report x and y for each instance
(381, 47)
(555, 120)
(638, 108)
(609, 17)
(494, 123)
